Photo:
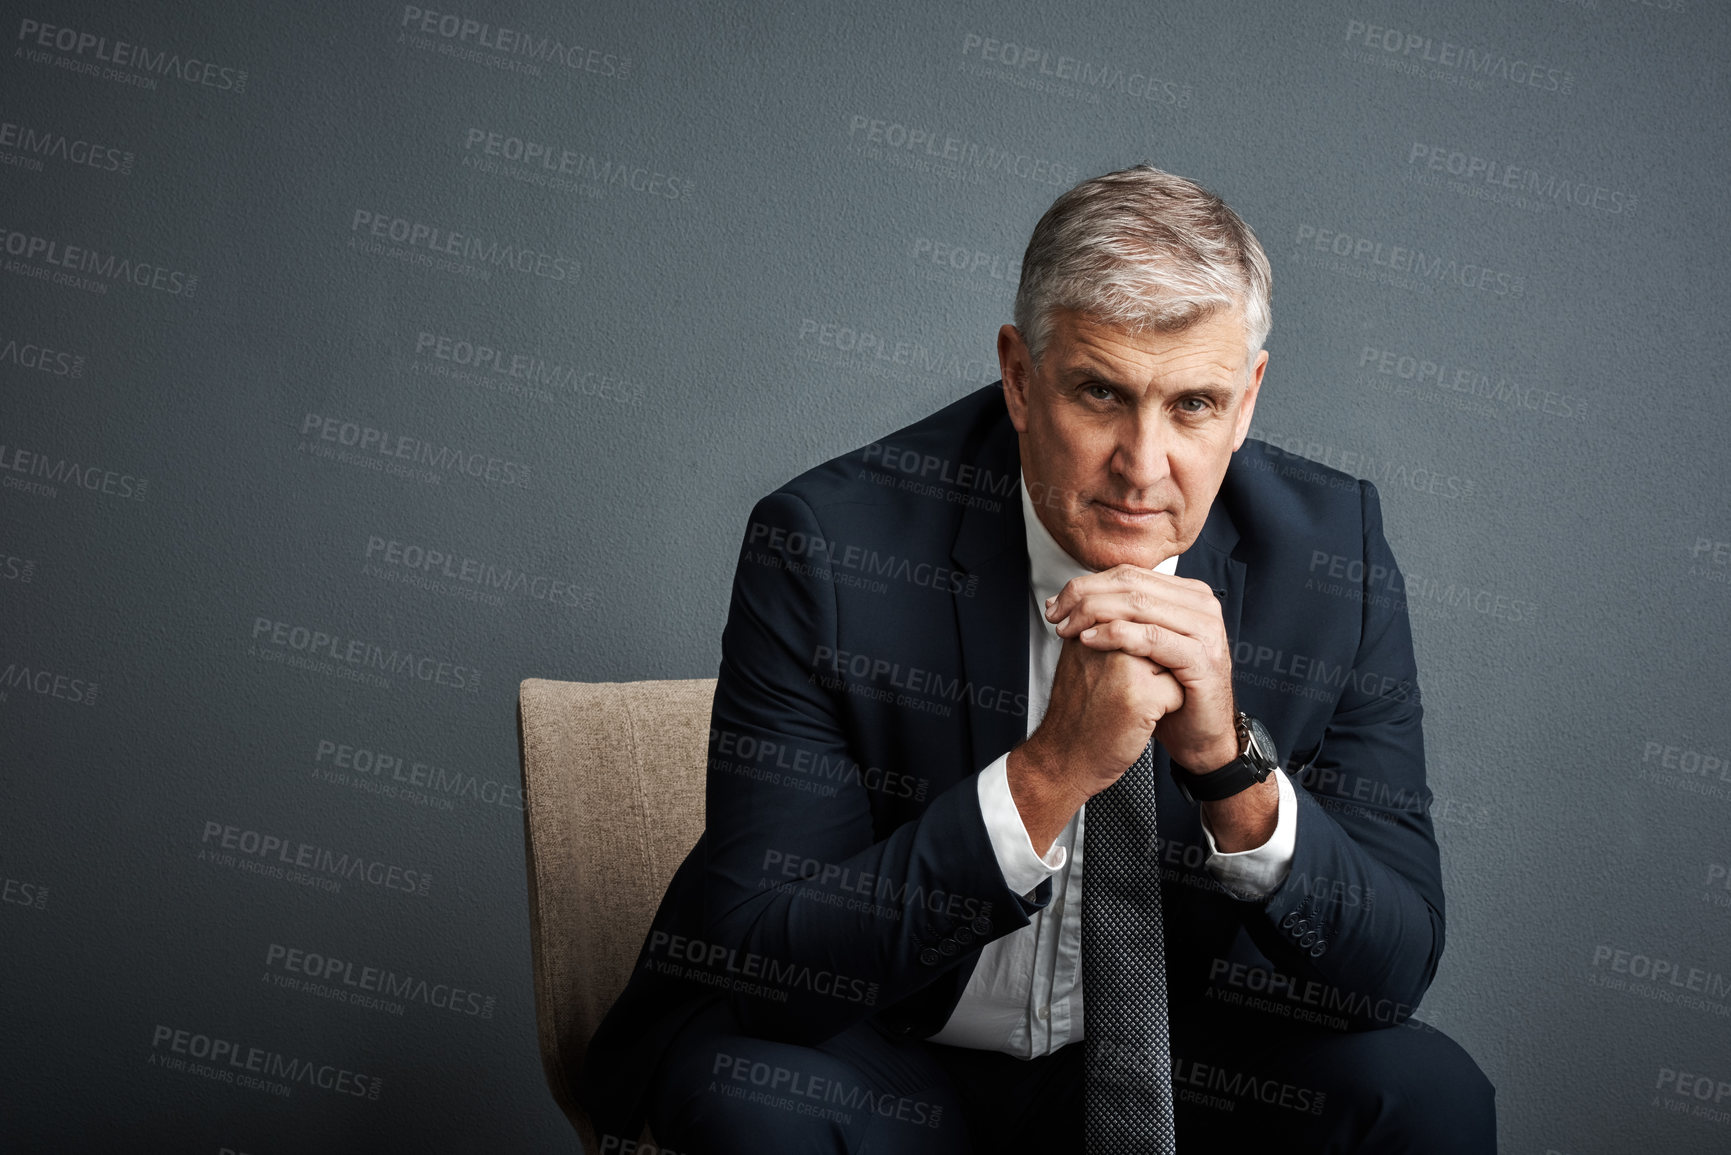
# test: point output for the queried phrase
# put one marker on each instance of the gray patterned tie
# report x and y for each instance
(1126, 1049)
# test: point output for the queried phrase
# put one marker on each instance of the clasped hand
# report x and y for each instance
(1143, 653)
(1174, 626)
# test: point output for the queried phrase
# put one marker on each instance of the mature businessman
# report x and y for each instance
(1068, 689)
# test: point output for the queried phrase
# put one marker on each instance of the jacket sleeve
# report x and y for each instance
(812, 920)
(1359, 919)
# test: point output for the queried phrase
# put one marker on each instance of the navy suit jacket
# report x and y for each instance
(875, 659)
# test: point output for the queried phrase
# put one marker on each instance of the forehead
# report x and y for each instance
(1080, 344)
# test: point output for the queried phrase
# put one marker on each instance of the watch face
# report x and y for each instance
(1261, 749)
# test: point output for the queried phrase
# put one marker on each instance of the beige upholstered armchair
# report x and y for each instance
(612, 801)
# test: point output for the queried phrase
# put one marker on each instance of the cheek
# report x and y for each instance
(1058, 445)
(1073, 466)
(1083, 447)
(1192, 473)
(1198, 480)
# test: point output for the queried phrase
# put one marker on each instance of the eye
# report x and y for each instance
(1201, 404)
(1102, 394)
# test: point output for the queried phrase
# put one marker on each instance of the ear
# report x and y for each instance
(1247, 407)
(1016, 367)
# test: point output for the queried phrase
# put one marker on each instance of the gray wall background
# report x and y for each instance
(195, 303)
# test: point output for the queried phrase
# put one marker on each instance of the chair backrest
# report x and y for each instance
(613, 778)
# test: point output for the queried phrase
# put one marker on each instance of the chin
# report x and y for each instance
(1109, 550)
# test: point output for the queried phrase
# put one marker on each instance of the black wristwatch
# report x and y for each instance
(1256, 760)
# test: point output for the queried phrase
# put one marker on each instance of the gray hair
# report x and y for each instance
(1142, 249)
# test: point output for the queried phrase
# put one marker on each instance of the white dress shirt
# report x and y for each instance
(1025, 995)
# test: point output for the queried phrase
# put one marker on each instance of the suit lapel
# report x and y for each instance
(991, 548)
(1210, 559)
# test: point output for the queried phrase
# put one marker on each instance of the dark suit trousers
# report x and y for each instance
(1243, 1081)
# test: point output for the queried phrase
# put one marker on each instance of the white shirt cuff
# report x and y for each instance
(1258, 872)
(1023, 869)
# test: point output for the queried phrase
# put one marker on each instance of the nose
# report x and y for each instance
(1142, 457)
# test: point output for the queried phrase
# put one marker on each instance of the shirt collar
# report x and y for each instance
(1049, 566)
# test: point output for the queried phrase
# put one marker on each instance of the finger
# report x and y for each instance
(1188, 607)
(1142, 605)
(1168, 694)
(1126, 577)
(1180, 654)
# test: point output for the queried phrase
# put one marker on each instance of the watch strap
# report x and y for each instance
(1235, 777)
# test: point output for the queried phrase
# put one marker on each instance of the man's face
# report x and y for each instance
(1125, 436)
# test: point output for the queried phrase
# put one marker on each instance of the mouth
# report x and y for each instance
(1129, 514)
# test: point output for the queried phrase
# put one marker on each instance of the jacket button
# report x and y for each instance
(949, 947)
(1300, 927)
(929, 957)
(1309, 939)
(964, 935)
(982, 925)
(1291, 917)
(1316, 951)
